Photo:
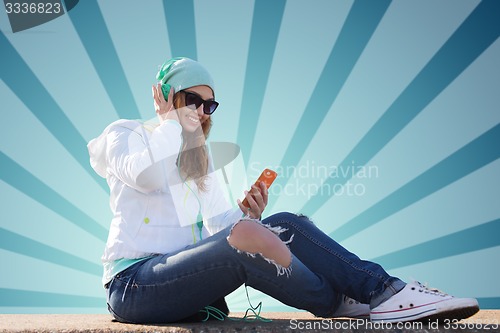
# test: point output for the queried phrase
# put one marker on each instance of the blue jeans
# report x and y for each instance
(168, 288)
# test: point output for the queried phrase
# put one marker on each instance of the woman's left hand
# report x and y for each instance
(164, 109)
(257, 200)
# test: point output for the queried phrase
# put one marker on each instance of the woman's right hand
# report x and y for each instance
(164, 109)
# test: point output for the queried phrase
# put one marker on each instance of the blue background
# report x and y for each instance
(407, 89)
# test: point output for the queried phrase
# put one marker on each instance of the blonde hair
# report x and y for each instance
(193, 159)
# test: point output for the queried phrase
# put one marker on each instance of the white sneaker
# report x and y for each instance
(352, 309)
(415, 302)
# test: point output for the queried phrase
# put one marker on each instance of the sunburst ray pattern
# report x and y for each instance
(382, 119)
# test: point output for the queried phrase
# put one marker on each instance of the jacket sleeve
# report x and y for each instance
(139, 161)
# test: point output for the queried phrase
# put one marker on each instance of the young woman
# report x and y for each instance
(176, 245)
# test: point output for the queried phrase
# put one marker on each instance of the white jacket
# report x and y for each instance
(153, 209)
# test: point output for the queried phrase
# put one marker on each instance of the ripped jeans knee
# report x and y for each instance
(253, 238)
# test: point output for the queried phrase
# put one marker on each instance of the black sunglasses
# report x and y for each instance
(209, 106)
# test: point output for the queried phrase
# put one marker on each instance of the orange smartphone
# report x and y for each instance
(267, 176)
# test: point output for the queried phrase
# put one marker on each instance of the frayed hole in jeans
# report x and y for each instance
(300, 215)
(280, 269)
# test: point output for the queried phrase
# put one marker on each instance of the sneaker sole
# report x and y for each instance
(431, 312)
(452, 315)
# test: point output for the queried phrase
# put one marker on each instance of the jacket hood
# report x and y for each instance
(97, 147)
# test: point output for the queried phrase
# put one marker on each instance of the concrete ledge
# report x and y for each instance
(484, 321)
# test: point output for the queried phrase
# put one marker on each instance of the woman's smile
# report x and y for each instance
(195, 120)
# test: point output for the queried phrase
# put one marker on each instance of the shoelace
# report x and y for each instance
(432, 291)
